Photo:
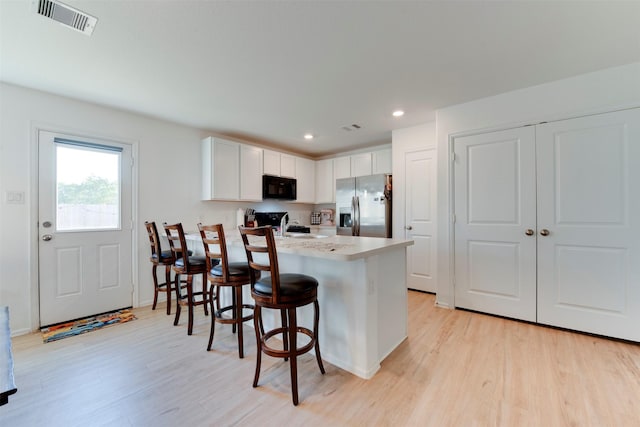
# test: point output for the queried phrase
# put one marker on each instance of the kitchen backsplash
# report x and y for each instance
(225, 212)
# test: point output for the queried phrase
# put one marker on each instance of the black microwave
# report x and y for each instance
(276, 187)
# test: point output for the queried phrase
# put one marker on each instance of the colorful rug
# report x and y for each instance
(77, 327)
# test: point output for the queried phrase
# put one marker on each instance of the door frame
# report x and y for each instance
(34, 260)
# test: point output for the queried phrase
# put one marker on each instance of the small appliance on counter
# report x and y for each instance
(274, 219)
(315, 218)
(270, 218)
(250, 218)
(296, 228)
(326, 217)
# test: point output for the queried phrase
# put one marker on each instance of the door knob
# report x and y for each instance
(408, 227)
(529, 232)
(47, 237)
(544, 232)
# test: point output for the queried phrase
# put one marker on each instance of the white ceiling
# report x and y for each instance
(268, 72)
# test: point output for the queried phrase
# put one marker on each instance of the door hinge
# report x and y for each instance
(453, 156)
(453, 218)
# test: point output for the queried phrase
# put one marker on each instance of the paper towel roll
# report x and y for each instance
(240, 217)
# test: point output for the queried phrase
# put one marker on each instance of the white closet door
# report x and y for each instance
(589, 201)
(495, 205)
(420, 219)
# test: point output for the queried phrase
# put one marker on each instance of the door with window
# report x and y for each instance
(547, 223)
(84, 227)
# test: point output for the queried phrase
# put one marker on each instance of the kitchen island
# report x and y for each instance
(362, 294)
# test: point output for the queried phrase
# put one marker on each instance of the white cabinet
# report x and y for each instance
(325, 183)
(220, 171)
(279, 164)
(250, 172)
(230, 171)
(342, 167)
(361, 164)
(381, 161)
(305, 180)
(271, 163)
(288, 166)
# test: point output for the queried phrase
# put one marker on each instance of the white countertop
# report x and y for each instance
(339, 248)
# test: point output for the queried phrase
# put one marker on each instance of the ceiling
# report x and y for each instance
(270, 71)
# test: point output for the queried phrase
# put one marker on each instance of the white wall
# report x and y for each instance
(405, 141)
(600, 91)
(168, 186)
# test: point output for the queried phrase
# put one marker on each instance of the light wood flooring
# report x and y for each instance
(456, 369)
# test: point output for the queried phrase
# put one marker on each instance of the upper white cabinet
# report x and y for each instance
(279, 164)
(288, 166)
(361, 164)
(342, 167)
(250, 172)
(325, 183)
(381, 161)
(305, 180)
(271, 162)
(230, 171)
(220, 171)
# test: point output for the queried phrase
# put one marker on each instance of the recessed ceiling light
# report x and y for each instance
(398, 113)
(308, 136)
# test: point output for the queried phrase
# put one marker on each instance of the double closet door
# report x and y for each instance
(547, 223)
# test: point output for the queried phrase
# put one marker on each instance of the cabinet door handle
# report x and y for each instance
(408, 227)
(529, 232)
(544, 232)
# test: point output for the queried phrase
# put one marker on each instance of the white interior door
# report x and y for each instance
(588, 200)
(420, 224)
(495, 223)
(85, 227)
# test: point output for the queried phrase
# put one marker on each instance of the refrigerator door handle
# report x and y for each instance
(353, 215)
(357, 216)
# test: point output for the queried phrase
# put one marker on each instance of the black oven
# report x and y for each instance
(275, 187)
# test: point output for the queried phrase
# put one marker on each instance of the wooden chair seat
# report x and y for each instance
(225, 274)
(284, 292)
(188, 266)
(160, 258)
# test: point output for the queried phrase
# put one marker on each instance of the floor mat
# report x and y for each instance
(77, 327)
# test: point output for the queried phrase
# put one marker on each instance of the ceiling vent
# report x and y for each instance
(349, 128)
(66, 15)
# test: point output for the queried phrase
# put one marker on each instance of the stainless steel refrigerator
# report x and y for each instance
(363, 206)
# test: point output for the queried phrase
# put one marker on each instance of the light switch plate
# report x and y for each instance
(15, 197)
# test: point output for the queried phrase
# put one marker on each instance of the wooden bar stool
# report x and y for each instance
(189, 266)
(222, 273)
(160, 257)
(284, 292)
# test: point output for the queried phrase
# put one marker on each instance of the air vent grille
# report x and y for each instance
(349, 128)
(66, 15)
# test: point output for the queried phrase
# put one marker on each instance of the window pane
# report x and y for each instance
(88, 188)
